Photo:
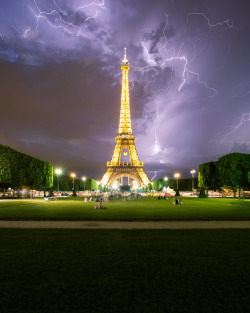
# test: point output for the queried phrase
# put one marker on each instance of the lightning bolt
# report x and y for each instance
(244, 119)
(59, 19)
(26, 32)
(156, 144)
(173, 56)
(155, 174)
(169, 54)
(227, 23)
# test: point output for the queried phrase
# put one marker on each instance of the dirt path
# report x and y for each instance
(126, 224)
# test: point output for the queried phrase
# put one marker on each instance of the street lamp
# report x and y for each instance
(177, 175)
(193, 172)
(166, 179)
(73, 175)
(84, 178)
(58, 172)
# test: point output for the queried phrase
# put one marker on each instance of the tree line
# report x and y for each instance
(66, 183)
(231, 171)
(18, 170)
(184, 184)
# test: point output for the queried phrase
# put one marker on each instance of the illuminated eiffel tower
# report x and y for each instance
(125, 144)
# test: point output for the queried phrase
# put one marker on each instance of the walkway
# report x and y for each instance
(126, 224)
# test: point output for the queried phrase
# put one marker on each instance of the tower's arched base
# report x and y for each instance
(115, 173)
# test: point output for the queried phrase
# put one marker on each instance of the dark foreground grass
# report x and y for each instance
(140, 209)
(124, 271)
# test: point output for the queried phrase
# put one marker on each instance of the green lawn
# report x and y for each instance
(124, 271)
(141, 209)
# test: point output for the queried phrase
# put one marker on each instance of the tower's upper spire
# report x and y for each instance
(125, 61)
(125, 121)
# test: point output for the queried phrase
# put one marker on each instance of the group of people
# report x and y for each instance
(176, 201)
(86, 199)
(161, 197)
(99, 205)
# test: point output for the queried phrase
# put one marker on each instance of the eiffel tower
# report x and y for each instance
(125, 144)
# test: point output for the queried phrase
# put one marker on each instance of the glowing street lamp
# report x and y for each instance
(193, 172)
(166, 179)
(84, 178)
(177, 175)
(73, 175)
(58, 172)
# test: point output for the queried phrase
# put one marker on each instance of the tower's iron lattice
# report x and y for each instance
(133, 169)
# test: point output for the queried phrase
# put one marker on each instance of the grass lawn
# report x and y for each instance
(140, 209)
(124, 271)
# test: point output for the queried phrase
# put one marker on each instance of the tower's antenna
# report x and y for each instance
(125, 53)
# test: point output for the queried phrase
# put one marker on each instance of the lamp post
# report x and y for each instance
(193, 172)
(73, 175)
(84, 178)
(177, 175)
(58, 172)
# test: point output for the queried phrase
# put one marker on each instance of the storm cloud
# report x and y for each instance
(61, 81)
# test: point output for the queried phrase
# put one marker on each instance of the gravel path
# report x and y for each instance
(126, 224)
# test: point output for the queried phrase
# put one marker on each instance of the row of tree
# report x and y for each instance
(232, 171)
(65, 183)
(183, 184)
(18, 169)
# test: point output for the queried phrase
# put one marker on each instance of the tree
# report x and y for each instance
(159, 184)
(91, 184)
(208, 176)
(202, 193)
(233, 170)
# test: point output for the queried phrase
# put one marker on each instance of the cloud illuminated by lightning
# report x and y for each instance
(170, 54)
(61, 19)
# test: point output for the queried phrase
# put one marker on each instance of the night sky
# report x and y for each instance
(60, 81)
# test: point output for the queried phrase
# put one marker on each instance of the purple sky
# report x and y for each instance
(61, 81)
